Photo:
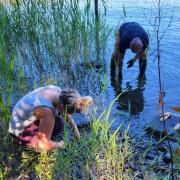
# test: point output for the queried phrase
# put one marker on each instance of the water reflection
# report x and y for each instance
(132, 100)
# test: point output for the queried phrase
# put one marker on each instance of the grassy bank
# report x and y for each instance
(100, 153)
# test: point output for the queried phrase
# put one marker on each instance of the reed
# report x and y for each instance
(54, 34)
(100, 153)
(6, 68)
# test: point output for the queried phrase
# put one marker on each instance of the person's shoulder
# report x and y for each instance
(129, 24)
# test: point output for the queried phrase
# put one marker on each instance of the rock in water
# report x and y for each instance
(81, 120)
(156, 126)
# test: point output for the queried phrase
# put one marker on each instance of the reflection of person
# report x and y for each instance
(131, 100)
(131, 35)
(38, 115)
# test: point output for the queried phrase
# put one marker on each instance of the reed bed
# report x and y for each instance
(52, 36)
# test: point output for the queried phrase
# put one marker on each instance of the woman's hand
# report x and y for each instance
(74, 127)
(77, 134)
(60, 145)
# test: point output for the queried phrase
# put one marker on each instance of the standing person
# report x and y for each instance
(131, 35)
(35, 117)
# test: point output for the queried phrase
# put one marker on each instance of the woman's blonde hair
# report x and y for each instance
(68, 98)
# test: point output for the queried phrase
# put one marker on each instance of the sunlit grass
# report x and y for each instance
(100, 152)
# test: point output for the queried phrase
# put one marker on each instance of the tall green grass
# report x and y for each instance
(100, 153)
(52, 34)
(11, 75)
(6, 68)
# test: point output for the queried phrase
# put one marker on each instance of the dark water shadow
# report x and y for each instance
(132, 99)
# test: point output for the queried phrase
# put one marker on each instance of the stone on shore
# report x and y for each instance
(156, 126)
(81, 120)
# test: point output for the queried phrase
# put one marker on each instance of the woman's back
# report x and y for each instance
(22, 114)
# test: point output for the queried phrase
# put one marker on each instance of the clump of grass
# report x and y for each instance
(9, 72)
(6, 69)
(44, 165)
(51, 34)
(100, 152)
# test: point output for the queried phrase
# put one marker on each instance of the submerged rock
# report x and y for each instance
(156, 126)
(81, 120)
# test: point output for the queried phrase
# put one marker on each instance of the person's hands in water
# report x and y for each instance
(130, 63)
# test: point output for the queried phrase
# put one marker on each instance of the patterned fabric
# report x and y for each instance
(22, 115)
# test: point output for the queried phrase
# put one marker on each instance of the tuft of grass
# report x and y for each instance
(52, 34)
(6, 68)
(100, 152)
(44, 165)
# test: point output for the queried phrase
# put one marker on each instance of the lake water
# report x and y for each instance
(144, 98)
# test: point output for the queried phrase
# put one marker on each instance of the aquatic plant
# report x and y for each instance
(54, 34)
(6, 68)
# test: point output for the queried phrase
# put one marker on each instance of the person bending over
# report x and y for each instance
(130, 35)
(38, 115)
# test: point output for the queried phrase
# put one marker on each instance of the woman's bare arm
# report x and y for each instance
(73, 125)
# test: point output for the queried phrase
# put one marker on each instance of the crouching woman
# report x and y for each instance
(39, 115)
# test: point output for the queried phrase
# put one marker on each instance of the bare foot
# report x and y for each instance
(60, 145)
